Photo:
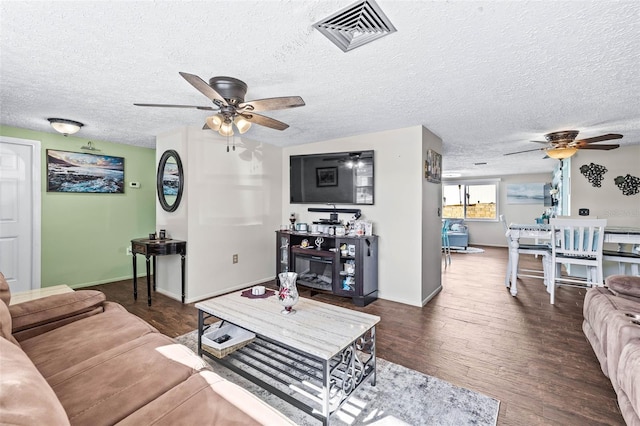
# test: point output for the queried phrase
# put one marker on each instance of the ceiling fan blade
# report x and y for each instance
(270, 104)
(204, 88)
(602, 147)
(607, 137)
(264, 121)
(179, 106)
(539, 141)
(526, 150)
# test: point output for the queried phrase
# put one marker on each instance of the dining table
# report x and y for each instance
(621, 235)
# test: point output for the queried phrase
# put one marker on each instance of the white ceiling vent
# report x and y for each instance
(356, 25)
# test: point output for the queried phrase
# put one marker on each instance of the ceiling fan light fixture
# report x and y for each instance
(226, 129)
(214, 122)
(242, 124)
(64, 126)
(561, 153)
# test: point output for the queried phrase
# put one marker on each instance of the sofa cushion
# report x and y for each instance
(6, 324)
(25, 396)
(628, 388)
(624, 285)
(5, 291)
(73, 343)
(223, 402)
(110, 386)
(620, 331)
(599, 304)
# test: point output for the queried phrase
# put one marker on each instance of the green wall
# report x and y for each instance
(85, 236)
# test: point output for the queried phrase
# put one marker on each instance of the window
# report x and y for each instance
(470, 200)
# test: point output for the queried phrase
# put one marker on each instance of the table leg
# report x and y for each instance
(200, 331)
(135, 277)
(326, 391)
(373, 354)
(148, 281)
(155, 280)
(182, 262)
(513, 261)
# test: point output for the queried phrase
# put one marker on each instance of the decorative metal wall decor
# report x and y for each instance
(594, 173)
(629, 185)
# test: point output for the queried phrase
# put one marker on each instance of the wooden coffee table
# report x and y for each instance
(314, 359)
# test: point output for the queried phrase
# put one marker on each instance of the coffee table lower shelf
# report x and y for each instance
(316, 386)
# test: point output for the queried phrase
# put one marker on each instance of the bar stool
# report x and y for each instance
(446, 247)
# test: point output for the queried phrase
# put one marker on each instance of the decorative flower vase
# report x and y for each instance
(288, 292)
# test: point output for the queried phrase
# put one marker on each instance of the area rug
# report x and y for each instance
(468, 250)
(401, 397)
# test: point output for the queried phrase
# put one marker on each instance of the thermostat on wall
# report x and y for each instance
(134, 184)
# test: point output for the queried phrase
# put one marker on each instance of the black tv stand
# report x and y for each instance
(327, 269)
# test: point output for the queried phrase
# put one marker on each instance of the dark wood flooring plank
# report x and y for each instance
(530, 355)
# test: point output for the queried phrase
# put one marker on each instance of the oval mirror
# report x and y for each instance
(170, 180)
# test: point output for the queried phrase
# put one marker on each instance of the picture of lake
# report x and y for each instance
(81, 172)
(525, 193)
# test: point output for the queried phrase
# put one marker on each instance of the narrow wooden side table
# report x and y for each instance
(151, 249)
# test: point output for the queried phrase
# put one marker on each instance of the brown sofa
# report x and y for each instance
(612, 326)
(77, 359)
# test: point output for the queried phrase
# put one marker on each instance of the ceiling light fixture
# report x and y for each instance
(224, 124)
(64, 126)
(562, 152)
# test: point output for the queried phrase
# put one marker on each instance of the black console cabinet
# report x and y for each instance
(342, 265)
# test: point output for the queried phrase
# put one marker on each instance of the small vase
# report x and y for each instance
(288, 292)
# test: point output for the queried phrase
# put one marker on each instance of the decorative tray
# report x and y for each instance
(267, 293)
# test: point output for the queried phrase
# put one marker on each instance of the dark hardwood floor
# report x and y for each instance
(530, 355)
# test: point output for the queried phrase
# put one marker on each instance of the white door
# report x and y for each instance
(20, 213)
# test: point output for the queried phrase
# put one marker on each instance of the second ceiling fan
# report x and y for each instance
(563, 144)
(227, 95)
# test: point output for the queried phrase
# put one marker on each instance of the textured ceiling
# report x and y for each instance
(485, 76)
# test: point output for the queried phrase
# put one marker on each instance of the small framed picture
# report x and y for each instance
(327, 176)
(433, 167)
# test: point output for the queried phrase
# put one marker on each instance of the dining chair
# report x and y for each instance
(543, 250)
(446, 247)
(576, 242)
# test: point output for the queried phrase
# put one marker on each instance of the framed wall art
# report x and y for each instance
(82, 172)
(326, 176)
(433, 166)
(525, 193)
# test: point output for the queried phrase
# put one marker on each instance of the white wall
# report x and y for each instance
(607, 201)
(397, 212)
(232, 205)
(431, 224)
(491, 233)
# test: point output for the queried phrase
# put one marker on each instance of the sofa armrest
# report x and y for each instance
(624, 285)
(39, 315)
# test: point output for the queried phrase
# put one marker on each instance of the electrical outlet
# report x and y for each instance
(583, 212)
(129, 251)
(235, 258)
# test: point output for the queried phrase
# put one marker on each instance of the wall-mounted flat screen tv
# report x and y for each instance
(334, 178)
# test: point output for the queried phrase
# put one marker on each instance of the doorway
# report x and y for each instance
(20, 212)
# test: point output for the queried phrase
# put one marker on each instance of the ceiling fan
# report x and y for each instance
(563, 144)
(227, 95)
